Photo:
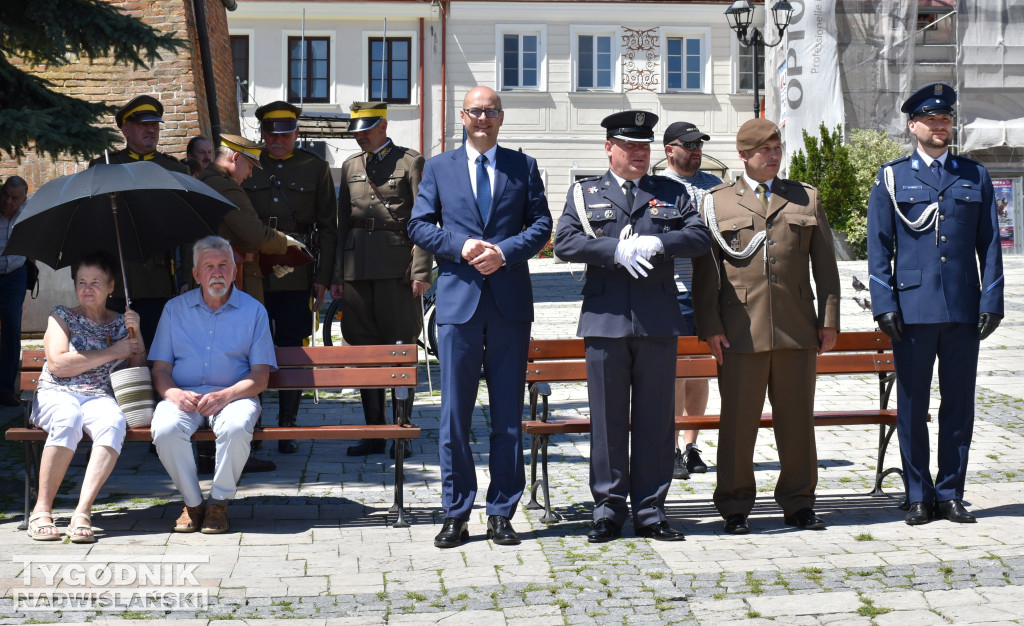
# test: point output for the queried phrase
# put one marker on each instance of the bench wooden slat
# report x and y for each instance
(339, 356)
(339, 378)
(863, 363)
(713, 422)
(355, 431)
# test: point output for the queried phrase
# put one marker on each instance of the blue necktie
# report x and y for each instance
(937, 170)
(483, 188)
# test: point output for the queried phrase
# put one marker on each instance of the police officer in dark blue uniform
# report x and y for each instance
(932, 235)
(627, 227)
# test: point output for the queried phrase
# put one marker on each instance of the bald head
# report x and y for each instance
(482, 117)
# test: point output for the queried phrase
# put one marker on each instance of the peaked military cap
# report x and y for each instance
(366, 115)
(278, 117)
(140, 109)
(933, 99)
(246, 147)
(636, 126)
(755, 132)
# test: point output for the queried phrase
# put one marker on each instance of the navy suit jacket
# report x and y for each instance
(932, 278)
(445, 215)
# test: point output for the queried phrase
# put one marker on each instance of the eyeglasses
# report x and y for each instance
(689, 145)
(491, 113)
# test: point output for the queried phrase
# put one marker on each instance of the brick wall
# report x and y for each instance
(176, 79)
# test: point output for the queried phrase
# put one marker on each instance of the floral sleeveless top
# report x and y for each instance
(86, 335)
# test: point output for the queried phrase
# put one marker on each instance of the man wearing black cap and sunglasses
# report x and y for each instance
(627, 227)
(377, 270)
(153, 282)
(294, 193)
(684, 149)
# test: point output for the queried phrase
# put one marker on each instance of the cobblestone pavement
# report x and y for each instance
(313, 542)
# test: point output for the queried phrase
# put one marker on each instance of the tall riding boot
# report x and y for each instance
(287, 412)
(373, 411)
(407, 408)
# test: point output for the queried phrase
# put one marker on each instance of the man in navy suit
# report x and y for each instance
(627, 227)
(932, 233)
(482, 213)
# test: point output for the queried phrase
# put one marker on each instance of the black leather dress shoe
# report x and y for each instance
(954, 511)
(9, 399)
(408, 449)
(604, 530)
(499, 529)
(737, 524)
(367, 446)
(287, 446)
(256, 464)
(805, 519)
(918, 513)
(453, 534)
(660, 531)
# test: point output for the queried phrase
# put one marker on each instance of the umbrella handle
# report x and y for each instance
(120, 253)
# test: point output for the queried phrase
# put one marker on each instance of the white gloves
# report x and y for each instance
(283, 270)
(627, 256)
(648, 245)
(294, 243)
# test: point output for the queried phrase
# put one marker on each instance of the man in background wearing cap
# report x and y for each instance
(294, 193)
(754, 307)
(482, 211)
(377, 270)
(926, 296)
(684, 145)
(153, 282)
(627, 227)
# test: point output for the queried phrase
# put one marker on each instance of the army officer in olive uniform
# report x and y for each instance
(627, 227)
(151, 283)
(294, 193)
(378, 271)
(754, 306)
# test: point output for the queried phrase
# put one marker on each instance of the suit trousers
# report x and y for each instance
(789, 378)
(378, 312)
(499, 345)
(631, 379)
(956, 346)
(12, 299)
(172, 430)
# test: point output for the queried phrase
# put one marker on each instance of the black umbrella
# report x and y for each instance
(138, 209)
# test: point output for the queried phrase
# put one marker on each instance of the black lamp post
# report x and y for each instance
(740, 14)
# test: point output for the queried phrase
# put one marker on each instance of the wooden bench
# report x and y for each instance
(562, 360)
(321, 367)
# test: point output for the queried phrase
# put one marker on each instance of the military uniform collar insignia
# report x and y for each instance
(135, 156)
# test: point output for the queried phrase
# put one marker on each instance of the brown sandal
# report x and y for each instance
(216, 521)
(190, 520)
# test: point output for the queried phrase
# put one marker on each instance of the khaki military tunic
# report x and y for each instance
(371, 244)
(299, 193)
(153, 278)
(765, 307)
(243, 228)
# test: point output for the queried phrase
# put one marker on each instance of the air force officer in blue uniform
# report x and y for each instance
(627, 227)
(937, 291)
(481, 211)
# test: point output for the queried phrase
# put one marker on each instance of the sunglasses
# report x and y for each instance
(689, 145)
(491, 113)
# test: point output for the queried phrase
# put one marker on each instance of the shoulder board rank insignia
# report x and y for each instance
(591, 189)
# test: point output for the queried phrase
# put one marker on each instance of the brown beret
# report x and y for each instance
(755, 132)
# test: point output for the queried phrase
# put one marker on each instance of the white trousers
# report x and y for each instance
(172, 430)
(65, 416)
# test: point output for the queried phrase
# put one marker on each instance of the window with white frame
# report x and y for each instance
(520, 55)
(686, 62)
(745, 68)
(595, 59)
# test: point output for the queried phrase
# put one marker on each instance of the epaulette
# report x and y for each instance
(788, 181)
(309, 153)
(589, 178)
(960, 157)
(905, 157)
(723, 186)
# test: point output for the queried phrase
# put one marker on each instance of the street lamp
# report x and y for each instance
(740, 14)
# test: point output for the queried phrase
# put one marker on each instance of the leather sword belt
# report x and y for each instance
(289, 226)
(375, 224)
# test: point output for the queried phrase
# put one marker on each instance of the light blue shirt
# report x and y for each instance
(9, 262)
(212, 350)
